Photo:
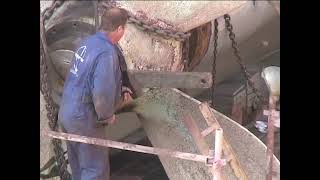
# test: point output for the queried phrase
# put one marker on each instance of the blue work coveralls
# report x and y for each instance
(91, 91)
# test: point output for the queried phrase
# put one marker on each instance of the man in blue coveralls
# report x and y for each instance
(93, 92)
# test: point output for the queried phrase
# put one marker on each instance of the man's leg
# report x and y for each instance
(94, 162)
(72, 149)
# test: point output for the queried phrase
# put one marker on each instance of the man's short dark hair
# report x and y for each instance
(113, 18)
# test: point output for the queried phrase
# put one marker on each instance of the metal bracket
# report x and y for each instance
(167, 79)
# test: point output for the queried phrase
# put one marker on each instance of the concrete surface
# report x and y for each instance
(171, 16)
(162, 118)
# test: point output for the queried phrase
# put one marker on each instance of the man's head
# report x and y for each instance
(113, 22)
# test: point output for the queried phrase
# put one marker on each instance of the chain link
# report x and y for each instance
(236, 52)
(51, 107)
(166, 34)
(215, 52)
(185, 54)
(157, 31)
(48, 12)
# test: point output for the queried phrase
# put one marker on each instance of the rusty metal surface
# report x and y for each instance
(199, 43)
(270, 138)
(148, 52)
(168, 79)
(67, 29)
(180, 15)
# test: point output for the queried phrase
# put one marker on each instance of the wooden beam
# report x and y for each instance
(196, 134)
(199, 140)
(151, 79)
(227, 148)
(209, 130)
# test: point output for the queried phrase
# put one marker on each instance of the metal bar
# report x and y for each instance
(206, 113)
(275, 114)
(217, 154)
(270, 136)
(127, 146)
(210, 129)
(196, 134)
(150, 79)
(227, 148)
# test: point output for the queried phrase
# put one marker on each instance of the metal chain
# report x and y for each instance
(48, 12)
(167, 34)
(236, 52)
(213, 72)
(96, 14)
(52, 108)
(185, 54)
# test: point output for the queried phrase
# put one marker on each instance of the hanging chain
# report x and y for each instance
(213, 72)
(185, 54)
(96, 14)
(155, 30)
(51, 107)
(48, 12)
(239, 59)
(167, 34)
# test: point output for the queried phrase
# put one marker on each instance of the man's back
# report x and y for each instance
(91, 94)
(77, 108)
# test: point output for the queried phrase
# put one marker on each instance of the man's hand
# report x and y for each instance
(126, 97)
(126, 92)
(112, 120)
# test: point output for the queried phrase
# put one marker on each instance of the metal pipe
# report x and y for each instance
(127, 146)
(217, 154)
(271, 76)
(270, 136)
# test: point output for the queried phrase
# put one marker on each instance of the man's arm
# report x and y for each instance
(104, 87)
